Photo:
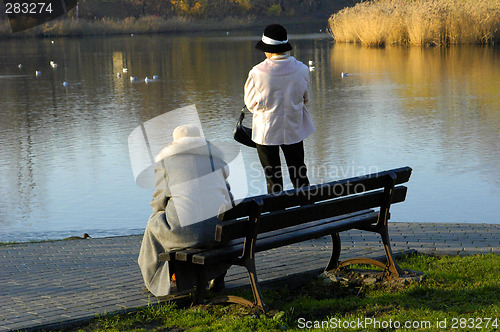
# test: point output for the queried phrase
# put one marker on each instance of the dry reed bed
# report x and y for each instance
(418, 22)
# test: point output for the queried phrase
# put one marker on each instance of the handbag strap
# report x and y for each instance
(242, 114)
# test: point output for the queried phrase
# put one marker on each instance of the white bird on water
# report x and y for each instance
(147, 80)
(311, 65)
(133, 78)
(155, 77)
(125, 70)
(343, 74)
(65, 83)
(19, 66)
(38, 73)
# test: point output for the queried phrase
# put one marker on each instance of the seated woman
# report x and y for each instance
(191, 187)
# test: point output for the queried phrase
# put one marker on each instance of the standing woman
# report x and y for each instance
(276, 92)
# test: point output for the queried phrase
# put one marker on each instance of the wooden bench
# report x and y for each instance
(270, 221)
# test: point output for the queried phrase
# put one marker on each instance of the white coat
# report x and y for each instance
(185, 205)
(276, 92)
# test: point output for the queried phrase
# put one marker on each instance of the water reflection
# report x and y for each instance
(447, 100)
(64, 156)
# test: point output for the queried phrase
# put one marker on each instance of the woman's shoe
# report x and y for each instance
(217, 284)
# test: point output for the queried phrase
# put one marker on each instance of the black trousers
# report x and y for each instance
(269, 157)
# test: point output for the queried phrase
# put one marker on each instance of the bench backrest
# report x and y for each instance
(298, 206)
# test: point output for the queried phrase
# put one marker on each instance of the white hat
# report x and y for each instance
(188, 130)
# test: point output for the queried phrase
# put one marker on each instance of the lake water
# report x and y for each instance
(64, 159)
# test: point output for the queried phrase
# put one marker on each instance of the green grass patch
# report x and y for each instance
(458, 293)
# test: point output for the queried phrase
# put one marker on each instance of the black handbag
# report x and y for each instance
(243, 134)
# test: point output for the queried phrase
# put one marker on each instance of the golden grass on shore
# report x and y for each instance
(418, 22)
(108, 26)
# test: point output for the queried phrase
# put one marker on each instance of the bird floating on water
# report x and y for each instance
(65, 83)
(343, 74)
(311, 65)
(118, 75)
(53, 64)
(155, 77)
(38, 73)
(83, 237)
(147, 80)
(125, 70)
(133, 78)
(20, 66)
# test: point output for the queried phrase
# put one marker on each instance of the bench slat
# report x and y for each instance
(166, 256)
(329, 225)
(315, 193)
(280, 219)
(186, 255)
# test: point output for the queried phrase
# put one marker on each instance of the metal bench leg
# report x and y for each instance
(392, 268)
(254, 282)
(248, 261)
(248, 258)
(334, 258)
(201, 285)
(249, 264)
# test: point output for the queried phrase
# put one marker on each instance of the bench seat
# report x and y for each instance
(271, 221)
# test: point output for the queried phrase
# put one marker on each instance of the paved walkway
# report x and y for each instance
(56, 284)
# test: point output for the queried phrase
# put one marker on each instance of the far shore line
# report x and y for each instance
(149, 25)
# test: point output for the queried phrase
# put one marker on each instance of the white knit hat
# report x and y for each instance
(188, 130)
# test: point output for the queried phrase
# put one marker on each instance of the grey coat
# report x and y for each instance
(187, 199)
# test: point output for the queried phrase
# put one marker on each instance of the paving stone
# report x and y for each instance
(52, 282)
